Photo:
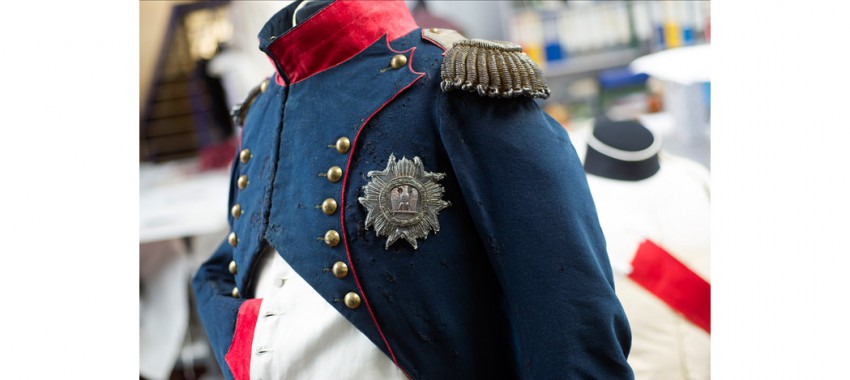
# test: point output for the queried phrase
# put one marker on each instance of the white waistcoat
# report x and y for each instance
(300, 336)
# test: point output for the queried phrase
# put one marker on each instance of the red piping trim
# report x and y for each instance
(342, 202)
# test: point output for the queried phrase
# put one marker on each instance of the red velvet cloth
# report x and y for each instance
(337, 33)
(238, 357)
(674, 283)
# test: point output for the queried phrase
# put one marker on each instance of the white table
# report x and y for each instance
(182, 216)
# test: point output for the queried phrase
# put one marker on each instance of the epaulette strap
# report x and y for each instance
(492, 68)
(444, 38)
(239, 111)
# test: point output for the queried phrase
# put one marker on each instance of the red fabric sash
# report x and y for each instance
(674, 283)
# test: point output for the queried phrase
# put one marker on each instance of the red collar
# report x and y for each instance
(336, 33)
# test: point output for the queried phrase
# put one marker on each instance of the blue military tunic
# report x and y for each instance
(512, 282)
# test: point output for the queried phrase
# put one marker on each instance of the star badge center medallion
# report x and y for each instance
(403, 201)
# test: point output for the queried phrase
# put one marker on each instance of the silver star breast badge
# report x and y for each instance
(403, 201)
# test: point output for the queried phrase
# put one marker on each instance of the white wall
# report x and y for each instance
(479, 19)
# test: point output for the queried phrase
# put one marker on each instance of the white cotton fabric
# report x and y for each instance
(299, 335)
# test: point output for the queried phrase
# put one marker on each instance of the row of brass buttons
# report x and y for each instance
(334, 174)
(236, 211)
(332, 238)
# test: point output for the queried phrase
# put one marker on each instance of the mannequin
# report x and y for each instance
(647, 198)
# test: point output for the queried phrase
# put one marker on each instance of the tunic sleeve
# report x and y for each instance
(533, 211)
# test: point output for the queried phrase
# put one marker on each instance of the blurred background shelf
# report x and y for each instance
(591, 63)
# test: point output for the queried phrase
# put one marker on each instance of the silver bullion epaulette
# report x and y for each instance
(239, 111)
(492, 68)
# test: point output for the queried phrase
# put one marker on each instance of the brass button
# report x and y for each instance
(232, 239)
(435, 30)
(242, 182)
(332, 238)
(352, 300)
(235, 292)
(264, 85)
(342, 144)
(232, 267)
(245, 155)
(398, 61)
(236, 210)
(329, 206)
(340, 270)
(334, 174)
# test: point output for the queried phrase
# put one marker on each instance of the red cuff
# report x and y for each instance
(238, 357)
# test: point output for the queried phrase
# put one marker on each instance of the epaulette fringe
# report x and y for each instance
(492, 68)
